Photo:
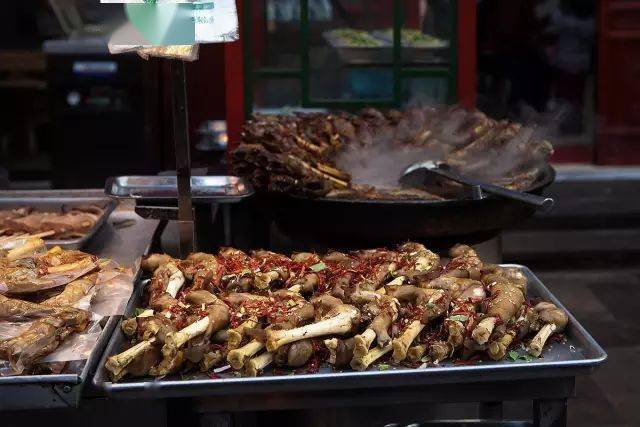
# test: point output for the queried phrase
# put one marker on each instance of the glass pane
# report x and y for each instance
(426, 31)
(352, 83)
(424, 91)
(275, 33)
(276, 93)
(542, 65)
(347, 60)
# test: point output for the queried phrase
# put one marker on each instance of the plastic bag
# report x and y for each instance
(10, 330)
(113, 290)
(47, 281)
(108, 297)
(77, 346)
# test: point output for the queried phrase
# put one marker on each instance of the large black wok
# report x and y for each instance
(322, 223)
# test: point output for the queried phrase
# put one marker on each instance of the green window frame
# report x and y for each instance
(400, 71)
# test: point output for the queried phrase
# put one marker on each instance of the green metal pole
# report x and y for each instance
(452, 94)
(397, 52)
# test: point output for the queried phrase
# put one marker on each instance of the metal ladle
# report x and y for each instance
(419, 174)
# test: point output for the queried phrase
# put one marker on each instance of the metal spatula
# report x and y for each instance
(421, 173)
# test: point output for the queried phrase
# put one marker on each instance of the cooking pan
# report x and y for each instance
(324, 223)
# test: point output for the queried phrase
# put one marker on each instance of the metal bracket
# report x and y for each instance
(69, 394)
(183, 159)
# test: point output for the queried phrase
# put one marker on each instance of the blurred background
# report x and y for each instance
(73, 115)
(555, 63)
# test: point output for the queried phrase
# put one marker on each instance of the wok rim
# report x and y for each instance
(547, 177)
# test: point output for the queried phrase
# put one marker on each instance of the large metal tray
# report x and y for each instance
(580, 354)
(52, 391)
(59, 390)
(122, 245)
(56, 204)
(223, 189)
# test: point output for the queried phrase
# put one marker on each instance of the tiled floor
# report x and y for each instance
(607, 303)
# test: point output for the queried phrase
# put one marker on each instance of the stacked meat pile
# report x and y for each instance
(40, 292)
(61, 225)
(300, 154)
(212, 313)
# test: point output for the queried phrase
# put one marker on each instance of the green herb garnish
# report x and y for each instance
(459, 317)
(526, 357)
(138, 311)
(318, 267)
(514, 355)
(383, 367)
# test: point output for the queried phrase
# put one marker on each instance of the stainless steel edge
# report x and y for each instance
(49, 391)
(600, 355)
(55, 201)
(593, 353)
(41, 379)
(162, 188)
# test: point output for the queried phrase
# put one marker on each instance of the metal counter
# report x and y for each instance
(549, 381)
(123, 238)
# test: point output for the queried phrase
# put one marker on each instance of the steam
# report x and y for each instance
(382, 163)
(469, 141)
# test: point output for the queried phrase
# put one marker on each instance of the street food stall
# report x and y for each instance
(348, 260)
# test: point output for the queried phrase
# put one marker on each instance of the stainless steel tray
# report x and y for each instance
(52, 391)
(224, 189)
(579, 355)
(56, 204)
(60, 390)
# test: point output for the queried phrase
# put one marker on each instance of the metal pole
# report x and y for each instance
(183, 160)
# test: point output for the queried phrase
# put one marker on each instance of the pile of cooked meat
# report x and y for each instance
(266, 311)
(39, 292)
(298, 154)
(75, 222)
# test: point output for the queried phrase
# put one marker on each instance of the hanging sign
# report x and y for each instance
(176, 26)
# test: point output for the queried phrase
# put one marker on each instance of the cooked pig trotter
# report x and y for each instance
(257, 364)
(401, 344)
(117, 365)
(175, 340)
(553, 319)
(416, 352)
(338, 324)
(238, 357)
(482, 332)
(361, 364)
(235, 335)
(537, 343)
(176, 279)
(362, 342)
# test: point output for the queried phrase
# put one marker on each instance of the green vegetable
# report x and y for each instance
(318, 267)
(415, 38)
(459, 317)
(526, 357)
(138, 311)
(383, 367)
(514, 355)
(355, 38)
